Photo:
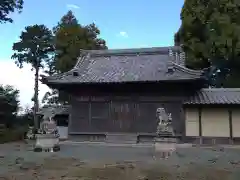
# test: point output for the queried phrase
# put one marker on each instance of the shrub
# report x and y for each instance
(11, 135)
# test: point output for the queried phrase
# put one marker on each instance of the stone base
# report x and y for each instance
(166, 140)
(165, 146)
(121, 138)
(46, 142)
(54, 149)
(29, 141)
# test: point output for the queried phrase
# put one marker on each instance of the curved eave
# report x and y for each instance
(58, 84)
(53, 81)
(188, 71)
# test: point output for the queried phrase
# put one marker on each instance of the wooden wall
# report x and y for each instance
(128, 114)
(126, 107)
(236, 123)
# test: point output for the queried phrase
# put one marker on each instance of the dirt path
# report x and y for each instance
(70, 168)
(18, 162)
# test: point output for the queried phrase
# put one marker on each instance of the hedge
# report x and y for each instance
(11, 135)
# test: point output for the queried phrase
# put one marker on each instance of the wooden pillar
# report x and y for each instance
(184, 118)
(230, 126)
(70, 119)
(90, 112)
(200, 124)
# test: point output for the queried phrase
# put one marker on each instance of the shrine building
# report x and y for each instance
(118, 92)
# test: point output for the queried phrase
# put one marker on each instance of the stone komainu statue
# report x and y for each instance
(164, 122)
(48, 126)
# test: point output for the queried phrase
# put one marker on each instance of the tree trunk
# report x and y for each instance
(36, 103)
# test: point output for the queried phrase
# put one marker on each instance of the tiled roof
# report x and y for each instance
(215, 96)
(49, 111)
(126, 65)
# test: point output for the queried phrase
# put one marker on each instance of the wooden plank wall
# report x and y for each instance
(121, 114)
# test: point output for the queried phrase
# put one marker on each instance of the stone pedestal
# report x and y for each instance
(165, 146)
(47, 142)
(166, 140)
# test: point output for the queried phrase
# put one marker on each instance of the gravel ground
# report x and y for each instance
(89, 161)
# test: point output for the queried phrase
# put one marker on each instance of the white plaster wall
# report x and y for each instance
(63, 132)
(192, 122)
(236, 123)
(215, 122)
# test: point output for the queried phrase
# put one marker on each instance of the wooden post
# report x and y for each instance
(90, 113)
(200, 123)
(230, 126)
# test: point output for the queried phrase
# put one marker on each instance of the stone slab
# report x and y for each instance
(166, 140)
(165, 147)
(46, 141)
(120, 138)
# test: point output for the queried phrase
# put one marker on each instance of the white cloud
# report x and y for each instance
(123, 34)
(72, 6)
(21, 79)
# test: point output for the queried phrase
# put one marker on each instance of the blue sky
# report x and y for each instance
(123, 24)
(146, 23)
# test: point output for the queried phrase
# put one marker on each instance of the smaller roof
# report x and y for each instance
(50, 111)
(215, 96)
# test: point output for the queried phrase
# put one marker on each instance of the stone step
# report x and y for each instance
(121, 138)
(165, 134)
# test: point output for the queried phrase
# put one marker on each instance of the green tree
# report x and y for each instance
(210, 36)
(7, 7)
(9, 105)
(34, 47)
(26, 117)
(70, 37)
